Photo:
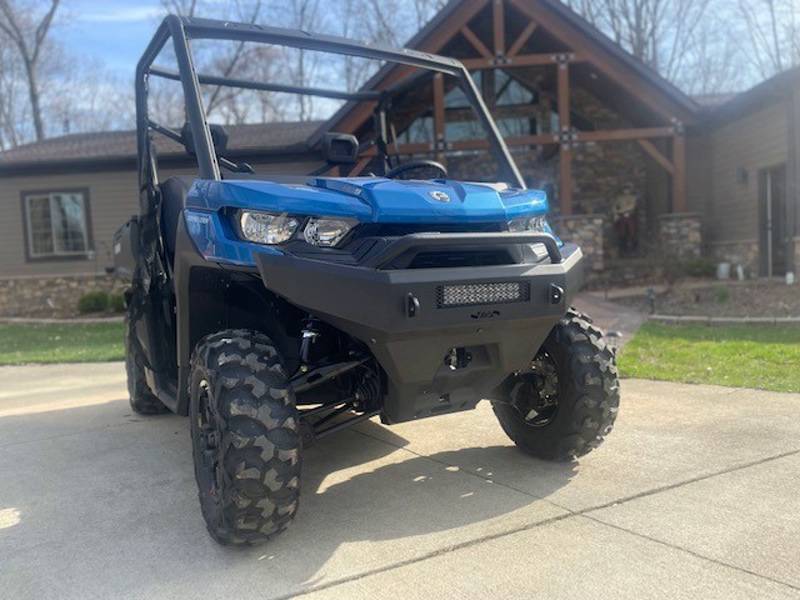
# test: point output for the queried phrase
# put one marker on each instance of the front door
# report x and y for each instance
(772, 221)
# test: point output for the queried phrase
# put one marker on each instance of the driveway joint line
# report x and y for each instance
(672, 546)
(623, 500)
(685, 482)
(582, 513)
(428, 555)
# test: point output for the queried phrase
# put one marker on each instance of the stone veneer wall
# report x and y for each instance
(588, 232)
(50, 297)
(743, 252)
(680, 235)
(746, 253)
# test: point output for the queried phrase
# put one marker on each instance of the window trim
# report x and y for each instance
(26, 226)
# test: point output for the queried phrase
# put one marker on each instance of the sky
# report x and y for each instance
(114, 32)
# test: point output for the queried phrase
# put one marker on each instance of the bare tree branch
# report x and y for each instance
(14, 23)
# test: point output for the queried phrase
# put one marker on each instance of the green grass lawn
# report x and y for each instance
(752, 356)
(72, 342)
(765, 357)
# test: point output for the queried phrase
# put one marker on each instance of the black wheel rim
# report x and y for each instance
(208, 440)
(534, 393)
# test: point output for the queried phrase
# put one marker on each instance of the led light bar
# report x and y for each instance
(470, 294)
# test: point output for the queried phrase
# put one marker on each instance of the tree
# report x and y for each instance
(704, 46)
(227, 62)
(660, 33)
(773, 29)
(29, 36)
(376, 22)
(10, 76)
(391, 22)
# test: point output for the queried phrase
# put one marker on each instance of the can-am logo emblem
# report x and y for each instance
(439, 196)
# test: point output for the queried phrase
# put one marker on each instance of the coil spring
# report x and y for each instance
(368, 391)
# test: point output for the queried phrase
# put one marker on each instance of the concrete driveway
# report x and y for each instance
(696, 494)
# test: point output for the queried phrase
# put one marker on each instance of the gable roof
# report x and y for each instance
(684, 107)
(767, 92)
(113, 147)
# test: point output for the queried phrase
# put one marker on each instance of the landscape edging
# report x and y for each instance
(708, 320)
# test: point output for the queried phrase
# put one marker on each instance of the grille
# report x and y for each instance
(470, 294)
(450, 259)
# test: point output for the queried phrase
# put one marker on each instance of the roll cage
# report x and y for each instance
(183, 29)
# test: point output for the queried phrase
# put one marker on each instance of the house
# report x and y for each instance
(63, 198)
(751, 157)
(635, 169)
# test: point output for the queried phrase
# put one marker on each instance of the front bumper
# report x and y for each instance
(398, 313)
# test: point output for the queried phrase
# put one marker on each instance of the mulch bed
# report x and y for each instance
(724, 299)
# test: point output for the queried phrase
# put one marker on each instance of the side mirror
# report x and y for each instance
(340, 148)
(218, 136)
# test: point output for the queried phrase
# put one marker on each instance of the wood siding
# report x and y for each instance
(112, 201)
(754, 142)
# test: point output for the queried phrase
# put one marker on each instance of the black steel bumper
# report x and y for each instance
(401, 316)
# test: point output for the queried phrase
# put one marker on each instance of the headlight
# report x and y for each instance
(537, 223)
(326, 232)
(267, 228)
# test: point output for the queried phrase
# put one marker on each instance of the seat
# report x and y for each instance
(173, 200)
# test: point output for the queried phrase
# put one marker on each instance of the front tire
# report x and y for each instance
(245, 439)
(566, 404)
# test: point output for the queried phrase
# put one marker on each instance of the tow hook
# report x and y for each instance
(412, 305)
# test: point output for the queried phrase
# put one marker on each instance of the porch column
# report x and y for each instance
(793, 183)
(439, 117)
(679, 204)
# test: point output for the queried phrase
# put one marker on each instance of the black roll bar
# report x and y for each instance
(183, 29)
(269, 87)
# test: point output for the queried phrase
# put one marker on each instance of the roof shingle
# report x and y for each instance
(115, 145)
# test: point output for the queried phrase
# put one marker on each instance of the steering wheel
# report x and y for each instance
(417, 164)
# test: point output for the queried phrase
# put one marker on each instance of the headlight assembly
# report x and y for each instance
(535, 223)
(326, 232)
(267, 228)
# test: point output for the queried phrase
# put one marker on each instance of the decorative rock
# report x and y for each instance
(51, 297)
(587, 231)
(681, 235)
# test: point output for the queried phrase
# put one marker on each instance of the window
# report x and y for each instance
(57, 224)
(516, 126)
(456, 98)
(419, 131)
(509, 92)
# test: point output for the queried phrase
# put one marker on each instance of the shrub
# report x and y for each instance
(722, 294)
(116, 303)
(93, 302)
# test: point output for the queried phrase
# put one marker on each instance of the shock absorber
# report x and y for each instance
(309, 335)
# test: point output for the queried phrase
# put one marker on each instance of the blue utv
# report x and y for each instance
(276, 310)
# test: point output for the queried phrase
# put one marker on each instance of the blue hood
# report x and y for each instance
(371, 199)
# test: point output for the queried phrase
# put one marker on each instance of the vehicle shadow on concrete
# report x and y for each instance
(370, 503)
(119, 489)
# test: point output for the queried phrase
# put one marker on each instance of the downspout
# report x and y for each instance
(793, 178)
